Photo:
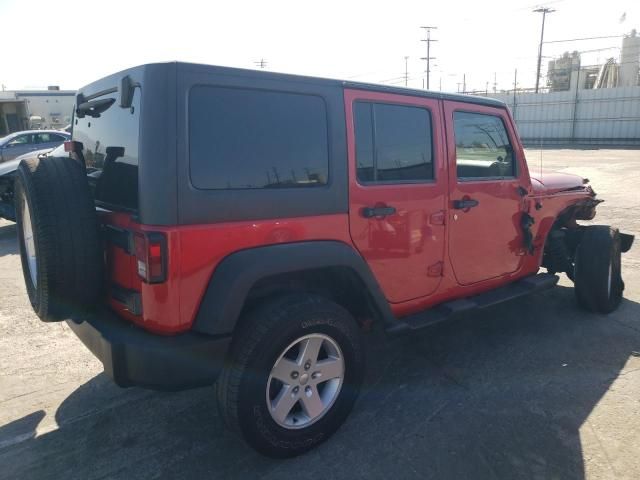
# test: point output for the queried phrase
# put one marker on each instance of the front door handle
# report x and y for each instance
(370, 212)
(465, 204)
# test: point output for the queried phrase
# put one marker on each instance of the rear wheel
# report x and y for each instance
(293, 374)
(58, 236)
(597, 272)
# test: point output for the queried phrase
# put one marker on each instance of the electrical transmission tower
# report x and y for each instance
(262, 63)
(428, 58)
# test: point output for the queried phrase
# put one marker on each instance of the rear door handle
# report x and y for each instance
(465, 204)
(370, 212)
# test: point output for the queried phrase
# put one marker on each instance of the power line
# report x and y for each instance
(580, 39)
(428, 58)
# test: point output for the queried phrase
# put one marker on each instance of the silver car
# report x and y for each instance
(19, 143)
(8, 172)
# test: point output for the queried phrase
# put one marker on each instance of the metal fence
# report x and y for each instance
(606, 116)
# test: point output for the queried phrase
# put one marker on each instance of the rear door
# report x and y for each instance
(487, 177)
(397, 187)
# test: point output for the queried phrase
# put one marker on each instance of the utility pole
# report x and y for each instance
(495, 82)
(262, 63)
(515, 87)
(544, 11)
(406, 71)
(464, 83)
(428, 58)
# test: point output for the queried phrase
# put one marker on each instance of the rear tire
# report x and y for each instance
(597, 271)
(62, 259)
(248, 389)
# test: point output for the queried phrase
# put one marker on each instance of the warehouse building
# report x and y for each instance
(35, 109)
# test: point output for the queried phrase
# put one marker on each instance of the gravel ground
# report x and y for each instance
(529, 389)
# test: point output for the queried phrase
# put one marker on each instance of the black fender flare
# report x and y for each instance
(235, 275)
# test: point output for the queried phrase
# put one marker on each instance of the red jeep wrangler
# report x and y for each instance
(213, 222)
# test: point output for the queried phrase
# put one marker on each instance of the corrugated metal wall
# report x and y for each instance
(607, 116)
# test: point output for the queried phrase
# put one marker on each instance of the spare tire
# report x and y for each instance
(598, 269)
(62, 259)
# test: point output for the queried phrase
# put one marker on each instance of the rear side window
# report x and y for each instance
(393, 143)
(244, 139)
(483, 149)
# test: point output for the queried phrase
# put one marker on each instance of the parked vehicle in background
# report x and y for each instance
(7, 175)
(250, 227)
(36, 122)
(19, 143)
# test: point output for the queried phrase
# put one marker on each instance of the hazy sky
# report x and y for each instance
(73, 42)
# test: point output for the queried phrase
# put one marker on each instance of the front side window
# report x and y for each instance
(483, 149)
(246, 139)
(393, 143)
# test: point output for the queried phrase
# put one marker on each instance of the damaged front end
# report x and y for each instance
(566, 234)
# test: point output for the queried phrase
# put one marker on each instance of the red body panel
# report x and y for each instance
(194, 252)
(202, 248)
(425, 254)
(553, 182)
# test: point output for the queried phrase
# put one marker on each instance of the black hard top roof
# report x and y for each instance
(218, 70)
(345, 83)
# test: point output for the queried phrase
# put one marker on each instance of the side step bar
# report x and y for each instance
(448, 310)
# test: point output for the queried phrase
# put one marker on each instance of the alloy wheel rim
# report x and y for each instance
(29, 244)
(305, 381)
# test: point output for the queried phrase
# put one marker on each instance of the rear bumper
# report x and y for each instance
(134, 357)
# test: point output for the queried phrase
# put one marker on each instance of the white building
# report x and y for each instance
(25, 109)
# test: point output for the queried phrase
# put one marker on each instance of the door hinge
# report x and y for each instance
(525, 223)
(120, 237)
(438, 218)
(435, 270)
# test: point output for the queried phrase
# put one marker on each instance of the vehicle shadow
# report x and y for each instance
(8, 244)
(501, 394)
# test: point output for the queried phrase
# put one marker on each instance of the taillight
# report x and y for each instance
(72, 147)
(151, 256)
